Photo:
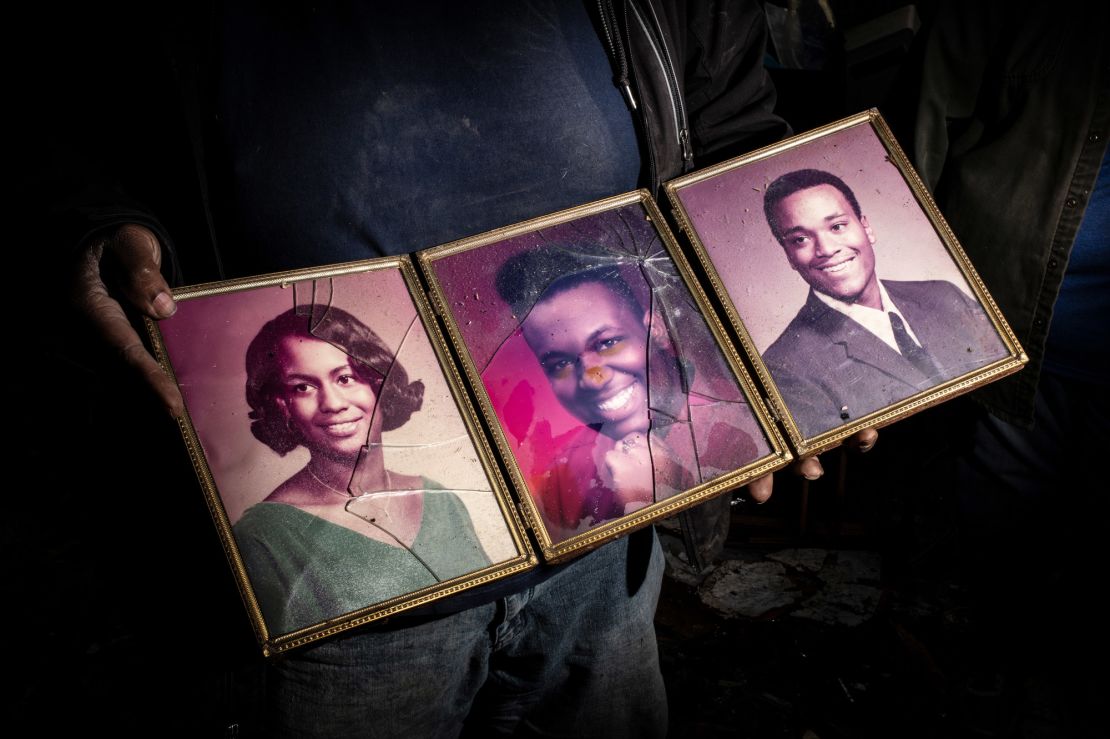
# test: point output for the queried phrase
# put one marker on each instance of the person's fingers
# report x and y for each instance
(863, 441)
(810, 468)
(92, 299)
(760, 488)
(137, 255)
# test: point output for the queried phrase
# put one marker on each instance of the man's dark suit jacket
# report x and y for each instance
(831, 370)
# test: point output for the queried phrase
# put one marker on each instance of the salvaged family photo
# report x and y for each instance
(613, 397)
(842, 280)
(350, 477)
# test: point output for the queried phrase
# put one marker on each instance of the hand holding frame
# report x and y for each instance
(133, 256)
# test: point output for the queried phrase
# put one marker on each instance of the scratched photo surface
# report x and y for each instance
(335, 444)
(607, 383)
(789, 285)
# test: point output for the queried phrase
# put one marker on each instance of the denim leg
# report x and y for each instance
(576, 656)
(1030, 493)
(417, 681)
(1034, 550)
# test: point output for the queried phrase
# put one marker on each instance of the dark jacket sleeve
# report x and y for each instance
(106, 131)
(729, 95)
(1012, 108)
(698, 71)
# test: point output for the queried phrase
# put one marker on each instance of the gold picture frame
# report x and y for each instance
(797, 294)
(311, 443)
(609, 386)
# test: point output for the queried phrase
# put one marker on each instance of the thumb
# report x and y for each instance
(136, 256)
(760, 488)
(138, 249)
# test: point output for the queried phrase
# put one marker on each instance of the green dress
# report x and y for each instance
(305, 569)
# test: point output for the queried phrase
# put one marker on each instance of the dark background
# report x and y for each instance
(125, 618)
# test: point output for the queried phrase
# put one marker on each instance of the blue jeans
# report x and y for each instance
(574, 656)
(1033, 525)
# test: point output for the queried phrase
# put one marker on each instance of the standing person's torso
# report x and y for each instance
(350, 133)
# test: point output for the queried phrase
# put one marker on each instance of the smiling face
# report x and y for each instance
(829, 245)
(593, 348)
(329, 406)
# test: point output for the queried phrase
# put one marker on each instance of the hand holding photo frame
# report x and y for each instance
(846, 288)
(339, 455)
(609, 386)
(349, 475)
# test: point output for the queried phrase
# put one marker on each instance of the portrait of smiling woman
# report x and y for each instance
(344, 531)
(657, 413)
(615, 399)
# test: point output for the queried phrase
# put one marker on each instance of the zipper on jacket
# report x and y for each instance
(654, 35)
(616, 49)
(653, 170)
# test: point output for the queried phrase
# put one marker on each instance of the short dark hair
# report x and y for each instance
(801, 179)
(373, 364)
(539, 274)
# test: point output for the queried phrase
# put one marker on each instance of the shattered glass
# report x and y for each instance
(344, 465)
(603, 373)
(443, 454)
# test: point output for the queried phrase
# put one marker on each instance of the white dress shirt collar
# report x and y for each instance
(875, 321)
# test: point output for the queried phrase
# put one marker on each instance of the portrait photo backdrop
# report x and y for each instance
(207, 340)
(540, 432)
(727, 213)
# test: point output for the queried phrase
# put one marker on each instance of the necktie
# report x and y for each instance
(917, 356)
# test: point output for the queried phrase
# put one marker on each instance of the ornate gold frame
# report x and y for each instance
(594, 537)
(891, 413)
(277, 643)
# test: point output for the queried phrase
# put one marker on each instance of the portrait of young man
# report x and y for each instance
(860, 342)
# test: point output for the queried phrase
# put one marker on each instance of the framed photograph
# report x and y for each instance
(843, 283)
(609, 385)
(340, 458)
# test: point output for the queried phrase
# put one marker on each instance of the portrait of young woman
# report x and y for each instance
(345, 530)
(345, 479)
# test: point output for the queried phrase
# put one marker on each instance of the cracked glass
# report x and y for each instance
(608, 383)
(362, 483)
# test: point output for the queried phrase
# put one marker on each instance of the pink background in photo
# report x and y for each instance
(536, 424)
(207, 341)
(727, 213)
(491, 331)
